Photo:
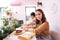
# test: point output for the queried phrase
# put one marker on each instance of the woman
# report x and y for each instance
(42, 28)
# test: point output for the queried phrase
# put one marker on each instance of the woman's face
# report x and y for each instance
(38, 15)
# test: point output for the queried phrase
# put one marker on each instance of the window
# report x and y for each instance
(28, 10)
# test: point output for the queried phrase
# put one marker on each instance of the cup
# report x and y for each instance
(18, 30)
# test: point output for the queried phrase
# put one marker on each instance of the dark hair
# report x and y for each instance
(33, 14)
(43, 15)
(37, 21)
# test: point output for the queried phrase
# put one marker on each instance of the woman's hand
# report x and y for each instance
(27, 27)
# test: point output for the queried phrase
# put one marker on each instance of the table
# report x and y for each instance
(15, 37)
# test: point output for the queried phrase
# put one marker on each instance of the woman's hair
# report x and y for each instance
(43, 15)
(37, 21)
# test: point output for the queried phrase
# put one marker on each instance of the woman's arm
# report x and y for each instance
(42, 27)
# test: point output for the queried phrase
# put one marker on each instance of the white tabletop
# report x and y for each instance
(15, 37)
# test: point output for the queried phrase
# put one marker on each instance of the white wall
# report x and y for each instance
(50, 7)
(52, 12)
(20, 9)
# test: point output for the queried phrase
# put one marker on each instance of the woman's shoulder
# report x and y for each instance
(46, 22)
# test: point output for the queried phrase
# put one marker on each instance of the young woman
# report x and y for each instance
(42, 28)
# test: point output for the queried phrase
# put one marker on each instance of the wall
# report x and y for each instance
(51, 9)
(21, 15)
(20, 8)
(52, 12)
